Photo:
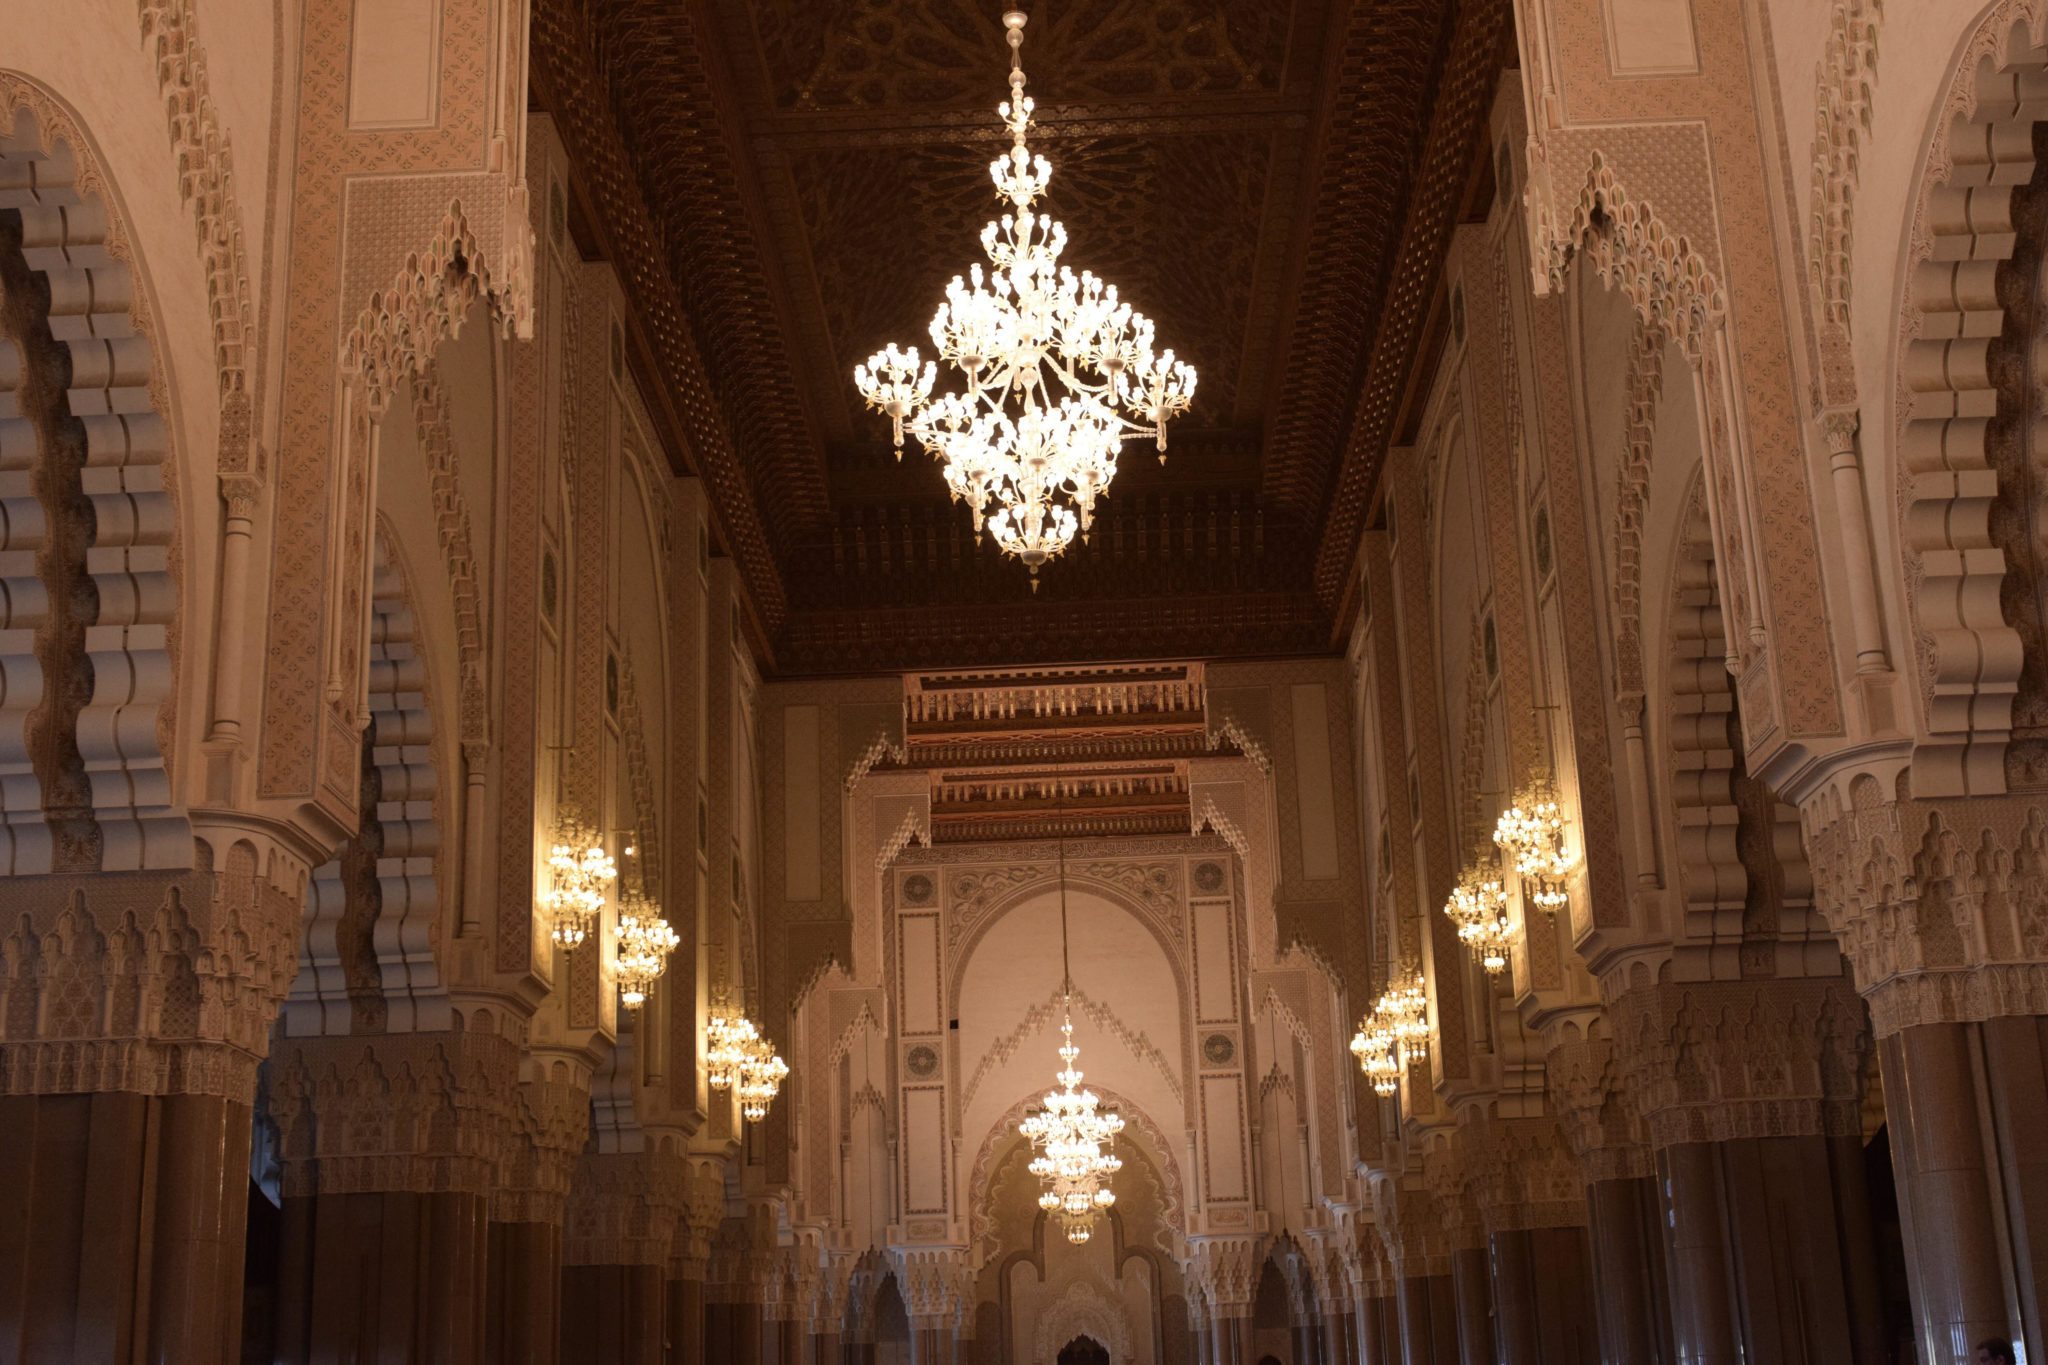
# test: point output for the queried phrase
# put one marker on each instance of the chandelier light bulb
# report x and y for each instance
(579, 873)
(1057, 372)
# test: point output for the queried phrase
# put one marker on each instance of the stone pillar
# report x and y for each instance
(1375, 1313)
(1428, 1312)
(1543, 1296)
(133, 1010)
(1472, 1289)
(391, 1147)
(1969, 1134)
(1338, 1346)
(1744, 1085)
(686, 1313)
(523, 1309)
(1632, 1299)
(619, 1232)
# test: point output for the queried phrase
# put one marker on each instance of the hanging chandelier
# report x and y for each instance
(644, 942)
(1058, 373)
(728, 1034)
(579, 871)
(1406, 1010)
(761, 1077)
(1074, 1138)
(1074, 1141)
(1531, 832)
(1374, 1046)
(740, 1059)
(1395, 1035)
(1479, 907)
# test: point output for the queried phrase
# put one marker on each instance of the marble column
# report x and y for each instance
(1428, 1320)
(385, 1234)
(1632, 1298)
(121, 1226)
(1967, 1105)
(1375, 1314)
(1543, 1297)
(1755, 1230)
(1338, 1347)
(613, 1314)
(523, 1295)
(686, 1313)
(1472, 1289)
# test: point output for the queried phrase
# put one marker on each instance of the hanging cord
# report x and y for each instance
(1066, 962)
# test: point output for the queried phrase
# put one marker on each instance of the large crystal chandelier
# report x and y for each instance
(1058, 372)
(644, 942)
(1479, 907)
(579, 871)
(1074, 1141)
(1532, 833)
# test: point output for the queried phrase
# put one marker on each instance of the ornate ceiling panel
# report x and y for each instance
(1254, 174)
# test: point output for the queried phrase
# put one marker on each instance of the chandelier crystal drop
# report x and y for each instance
(1058, 372)
(1479, 907)
(579, 872)
(644, 942)
(1075, 1143)
(1532, 833)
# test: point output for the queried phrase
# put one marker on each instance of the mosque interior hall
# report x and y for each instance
(1024, 682)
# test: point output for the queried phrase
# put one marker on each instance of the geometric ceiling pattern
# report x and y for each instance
(786, 185)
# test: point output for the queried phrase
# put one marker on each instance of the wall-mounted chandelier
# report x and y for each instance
(1396, 1034)
(1479, 907)
(1058, 372)
(644, 942)
(740, 1059)
(1532, 834)
(579, 873)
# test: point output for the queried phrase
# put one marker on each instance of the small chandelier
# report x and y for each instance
(644, 942)
(579, 870)
(1531, 832)
(1479, 907)
(728, 1035)
(740, 1059)
(1406, 1010)
(1058, 373)
(1075, 1143)
(1395, 1035)
(761, 1076)
(1374, 1046)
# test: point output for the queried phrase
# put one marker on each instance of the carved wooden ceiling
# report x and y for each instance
(786, 185)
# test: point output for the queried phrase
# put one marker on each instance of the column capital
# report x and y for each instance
(427, 1113)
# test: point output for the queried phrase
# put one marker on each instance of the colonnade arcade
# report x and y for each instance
(390, 484)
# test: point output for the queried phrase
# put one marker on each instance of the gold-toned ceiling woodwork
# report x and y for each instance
(1272, 182)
